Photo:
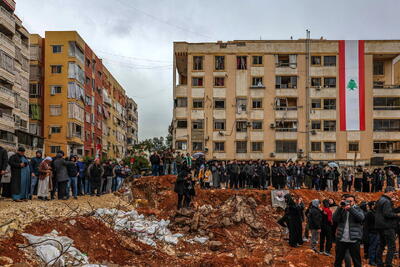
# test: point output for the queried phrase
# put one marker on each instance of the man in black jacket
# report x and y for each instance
(3, 167)
(349, 218)
(386, 221)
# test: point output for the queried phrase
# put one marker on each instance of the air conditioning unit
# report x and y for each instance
(206, 149)
(313, 132)
(207, 138)
(221, 133)
(272, 155)
(318, 88)
(300, 150)
(272, 126)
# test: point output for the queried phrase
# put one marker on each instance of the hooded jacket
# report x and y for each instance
(60, 168)
(314, 216)
(385, 216)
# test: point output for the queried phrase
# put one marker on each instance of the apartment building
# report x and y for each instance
(317, 100)
(132, 123)
(14, 82)
(83, 104)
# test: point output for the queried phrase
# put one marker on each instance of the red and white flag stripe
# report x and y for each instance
(351, 85)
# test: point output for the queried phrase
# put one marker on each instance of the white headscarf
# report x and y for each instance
(48, 158)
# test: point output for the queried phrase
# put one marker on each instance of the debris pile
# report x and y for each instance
(146, 230)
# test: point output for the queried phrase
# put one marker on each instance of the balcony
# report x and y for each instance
(9, 4)
(386, 90)
(7, 75)
(7, 97)
(286, 134)
(286, 114)
(7, 122)
(7, 21)
(324, 114)
(7, 45)
(181, 90)
(390, 113)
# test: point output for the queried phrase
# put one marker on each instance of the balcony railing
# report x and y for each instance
(286, 108)
(386, 107)
(286, 129)
(285, 65)
(386, 86)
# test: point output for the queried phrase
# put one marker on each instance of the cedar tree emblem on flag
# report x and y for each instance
(352, 85)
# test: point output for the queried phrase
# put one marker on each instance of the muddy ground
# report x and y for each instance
(239, 225)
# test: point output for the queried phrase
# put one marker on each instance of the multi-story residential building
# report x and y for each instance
(132, 123)
(14, 82)
(284, 99)
(83, 104)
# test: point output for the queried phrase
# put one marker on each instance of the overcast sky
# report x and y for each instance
(135, 37)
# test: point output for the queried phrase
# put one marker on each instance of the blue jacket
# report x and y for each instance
(82, 166)
(35, 162)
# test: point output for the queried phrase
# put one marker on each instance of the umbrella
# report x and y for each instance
(333, 165)
(197, 155)
(394, 168)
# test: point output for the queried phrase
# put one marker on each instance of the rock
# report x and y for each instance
(215, 245)
(252, 202)
(226, 222)
(211, 235)
(268, 258)
(185, 213)
(5, 260)
(195, 221)
(182, 220)
(72, 222)
(186, 229)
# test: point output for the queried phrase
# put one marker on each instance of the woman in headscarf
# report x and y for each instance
(20, 176)
(45, 175)
(294, 214)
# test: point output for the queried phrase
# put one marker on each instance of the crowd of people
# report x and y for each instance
(260, 174)
(373, 224)
(59, 176)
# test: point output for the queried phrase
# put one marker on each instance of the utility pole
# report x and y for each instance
(308, 84)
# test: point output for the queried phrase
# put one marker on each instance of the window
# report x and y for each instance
(330, 104)
(198, 103)
(330, 82)
(181, 124)
(286, 61)
(329, 126)
(56, 68)
(55, 110)
(87, 81)
(316, 125)
(329, 61)
(181, 145)
(241, 146)
(315, 103)
(55, 129)
(219, 81)
(353, 147)
(181, 102)
(241, 62)
(285, 146)
(257, 103)
(286, 126)
(387, 125)
(257, 125)
(315, 60)
(241, 126)
(387, 147)
(256, 146)
(286, 82)
(219, 146)
(241, 105)
(34, 90)
(219, 62)
(7, 62)
(219, 104)
(54, 149)
(88, 62)
(257, 82)
(197, 81)
(55, 89)
(93, 84)
(329, 147)
(316, 146)
(257, 60)
(379, 68)
(386, 103)
(219, 125)
(316, 82)
(198, 63)
(56, 49)
(285, 103)
(197, 146)
(197, 125)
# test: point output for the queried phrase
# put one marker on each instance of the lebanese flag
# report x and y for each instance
(351, 85)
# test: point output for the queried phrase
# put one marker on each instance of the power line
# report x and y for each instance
(134, 58)
(136, 66)
(163, 21)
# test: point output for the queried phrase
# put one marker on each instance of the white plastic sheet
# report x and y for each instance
(147, 231)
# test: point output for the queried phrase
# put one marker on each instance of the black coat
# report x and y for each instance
(385, 214)
(3, 159)
(356, 217)
(15, 164)
(314, 218)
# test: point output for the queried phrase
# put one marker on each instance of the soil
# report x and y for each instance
(240, 226)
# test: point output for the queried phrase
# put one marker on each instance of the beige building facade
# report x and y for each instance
(279, 100)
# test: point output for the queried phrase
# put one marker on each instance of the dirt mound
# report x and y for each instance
(99, 242)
